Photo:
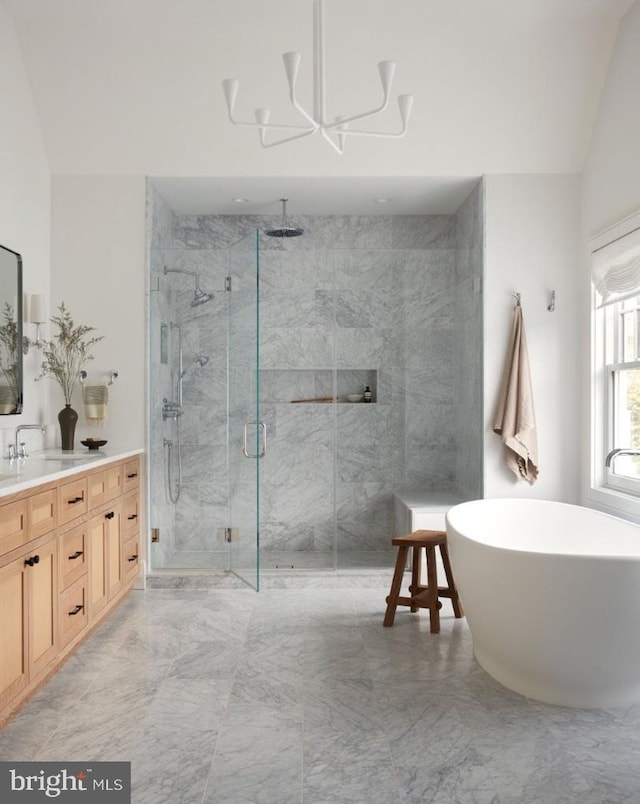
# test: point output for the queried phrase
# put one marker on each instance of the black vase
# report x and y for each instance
(67, 418)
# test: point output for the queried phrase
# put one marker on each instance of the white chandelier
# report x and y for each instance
(334, 132)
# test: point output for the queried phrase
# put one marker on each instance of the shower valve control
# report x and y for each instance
(170, 410)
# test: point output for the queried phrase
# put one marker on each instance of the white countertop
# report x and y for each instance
(20, 474)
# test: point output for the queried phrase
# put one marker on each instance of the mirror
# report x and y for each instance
(10, 332)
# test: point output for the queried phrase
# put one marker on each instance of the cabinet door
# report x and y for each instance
(97, 573)
(13, 630)
(114, 550)
(42, 585)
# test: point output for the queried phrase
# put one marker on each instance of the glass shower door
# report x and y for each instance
(246, 434)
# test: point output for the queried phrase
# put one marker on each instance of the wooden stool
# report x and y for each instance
(422, 597)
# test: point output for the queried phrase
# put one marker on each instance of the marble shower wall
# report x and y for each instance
(468, 344)
(355, 301)
(160, 235)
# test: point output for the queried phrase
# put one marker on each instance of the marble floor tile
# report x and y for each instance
(224, 696)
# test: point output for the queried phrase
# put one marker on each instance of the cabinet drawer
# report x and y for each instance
(131, 558)
(97, 489)
(72, 500)
(13, 525)
(42, 513)
(114, 482)
(131, 475)
(73, 610)
(73, 556)
(131, 515)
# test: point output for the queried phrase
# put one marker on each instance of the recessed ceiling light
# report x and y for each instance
(382, 200)
(240, 200)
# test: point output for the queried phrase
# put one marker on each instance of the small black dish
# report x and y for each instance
(93, 443)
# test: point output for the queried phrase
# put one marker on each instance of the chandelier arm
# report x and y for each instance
(346, 120)
(265, 144)
(334, 145)
(281, 126)
(383, 134)
(304, 113)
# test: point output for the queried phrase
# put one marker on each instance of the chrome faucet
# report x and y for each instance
(19, 450)
(608, 461)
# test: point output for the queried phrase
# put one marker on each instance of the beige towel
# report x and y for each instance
(95, 396)
(515, 418)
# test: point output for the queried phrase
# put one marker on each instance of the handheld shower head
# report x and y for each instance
(198, 360)
(199, 296)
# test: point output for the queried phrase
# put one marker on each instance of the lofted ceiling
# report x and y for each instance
(127, 87)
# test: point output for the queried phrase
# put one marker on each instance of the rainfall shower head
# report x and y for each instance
(199, 296)
(284, 230)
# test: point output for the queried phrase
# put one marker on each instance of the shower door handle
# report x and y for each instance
(263, 440)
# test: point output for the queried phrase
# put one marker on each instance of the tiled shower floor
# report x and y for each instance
(302, 696)
(292, 559)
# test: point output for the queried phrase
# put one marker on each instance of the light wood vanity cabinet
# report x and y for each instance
(28, 615)
(69, 551)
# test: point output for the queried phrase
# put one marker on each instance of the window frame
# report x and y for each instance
(612, 350)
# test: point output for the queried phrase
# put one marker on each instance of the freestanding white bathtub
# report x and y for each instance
(552, 596)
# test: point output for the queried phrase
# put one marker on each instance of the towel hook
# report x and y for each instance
(516, 296)
(113, 375)
(551, 307)
(82, 375)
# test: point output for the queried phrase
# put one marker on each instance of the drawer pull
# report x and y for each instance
(75, 500)
(133, 516)
(133, 558)
(109, 515)
(77, 554)
(29, 562)
(130, 477)
(75, 611)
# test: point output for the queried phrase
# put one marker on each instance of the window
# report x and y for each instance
(622, 391)
(615, 274)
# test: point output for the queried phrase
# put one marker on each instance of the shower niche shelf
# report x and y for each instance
(316, 385)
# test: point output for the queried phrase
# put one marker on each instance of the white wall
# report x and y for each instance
(24, 205)
(611, 192)
(98, 270)
(611, 176)
(533, 247)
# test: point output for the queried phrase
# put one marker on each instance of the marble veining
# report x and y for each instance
(381, 300)
(300, 695)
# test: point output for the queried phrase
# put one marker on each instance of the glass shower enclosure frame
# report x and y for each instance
(206, 436)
